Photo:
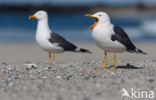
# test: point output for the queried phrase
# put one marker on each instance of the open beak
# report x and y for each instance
(96, 21)
(32, 17)
(90, 15)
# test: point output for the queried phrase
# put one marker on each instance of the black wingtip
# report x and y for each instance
(142, 52)
(82, 50)
(138, 51)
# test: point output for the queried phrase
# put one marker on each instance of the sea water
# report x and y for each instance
(16, 27)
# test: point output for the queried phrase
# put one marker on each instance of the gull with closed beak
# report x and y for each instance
(51, 41)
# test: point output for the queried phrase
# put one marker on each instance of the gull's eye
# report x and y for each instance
(40, 14)
(100, 15)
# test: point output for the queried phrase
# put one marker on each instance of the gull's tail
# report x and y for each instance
(82, 50)
(138, 51)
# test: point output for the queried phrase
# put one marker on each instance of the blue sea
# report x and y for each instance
(16, 27)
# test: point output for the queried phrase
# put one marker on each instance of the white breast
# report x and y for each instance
(43, 36)
(102, 36)
(45, 44)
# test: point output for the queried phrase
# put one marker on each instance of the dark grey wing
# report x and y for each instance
(121, 36)
(67, 46)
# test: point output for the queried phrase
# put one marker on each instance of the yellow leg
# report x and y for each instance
(49, 57)
(105, 60)
(113, 68)
(53, 58)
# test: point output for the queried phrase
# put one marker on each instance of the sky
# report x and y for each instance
(78, 2)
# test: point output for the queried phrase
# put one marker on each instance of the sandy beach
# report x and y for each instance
(21, 53)
(73, 75)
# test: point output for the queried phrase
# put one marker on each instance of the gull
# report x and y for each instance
(51, 41)
(110, 38)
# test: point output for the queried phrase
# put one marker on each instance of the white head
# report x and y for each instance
(40, 15)
(42, 26)
(100, 17)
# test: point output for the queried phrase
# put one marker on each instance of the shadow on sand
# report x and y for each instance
(128, 66)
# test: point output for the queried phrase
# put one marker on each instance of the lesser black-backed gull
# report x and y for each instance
(51, 41)
(110, 38)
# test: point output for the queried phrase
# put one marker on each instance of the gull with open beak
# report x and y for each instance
(110, 38)
(51, 41)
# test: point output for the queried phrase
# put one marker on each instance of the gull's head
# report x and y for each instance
(40, 15)
(100, 17)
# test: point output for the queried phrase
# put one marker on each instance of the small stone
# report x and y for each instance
(98, 85)
(71, 65)
(44, 77)
(58, 77)
(69, 77)
(4, 63)
(30, 66)
(9, 68)
(94, 76)
(47, 68)
(86, 77)
(9, 82)
(151, 80)
(122, 80)
(112, 73)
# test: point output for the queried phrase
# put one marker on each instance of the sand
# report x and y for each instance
(25, 74)
(21, 53)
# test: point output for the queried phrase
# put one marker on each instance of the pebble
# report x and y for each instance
(47, 68)
(58, 77)
(151, 80)
(9, 82)
(9, 68)
(61, 82)
(30, 66)
(69, 77)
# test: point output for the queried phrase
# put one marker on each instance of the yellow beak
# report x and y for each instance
(94, 25)
(89, 15)
(32, 17)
